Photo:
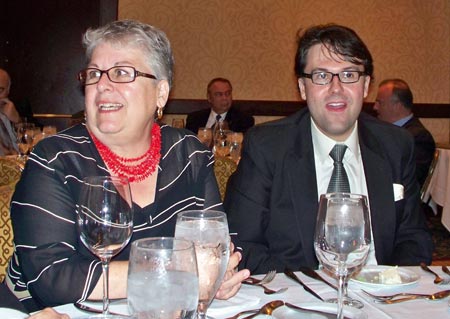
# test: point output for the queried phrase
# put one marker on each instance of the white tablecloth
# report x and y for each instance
(439, 187)
(251, 297)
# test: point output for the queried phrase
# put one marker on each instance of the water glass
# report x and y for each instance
(162, 279)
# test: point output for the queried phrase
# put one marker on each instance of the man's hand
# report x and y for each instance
(48, 313)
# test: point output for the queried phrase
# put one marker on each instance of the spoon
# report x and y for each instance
(267, 309)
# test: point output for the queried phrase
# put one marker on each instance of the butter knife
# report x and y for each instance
(313, 274)
(294, 277)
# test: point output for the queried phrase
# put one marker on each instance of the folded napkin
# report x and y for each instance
(239, 302)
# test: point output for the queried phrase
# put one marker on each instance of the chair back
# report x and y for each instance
(10, 171)
(426, 184)
(223, 168)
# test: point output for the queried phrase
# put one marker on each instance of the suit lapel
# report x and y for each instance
(302, 181)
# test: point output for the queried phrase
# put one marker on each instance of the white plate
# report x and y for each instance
(289, 313)
(370, 275)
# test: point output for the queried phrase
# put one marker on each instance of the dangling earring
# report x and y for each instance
(159, 113)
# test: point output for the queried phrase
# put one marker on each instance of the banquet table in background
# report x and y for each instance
(439, 187)
(252, 297)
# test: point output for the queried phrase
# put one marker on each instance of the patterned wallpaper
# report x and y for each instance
(252, 42)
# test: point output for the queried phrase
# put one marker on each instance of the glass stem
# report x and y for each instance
(105, 271)
(340, 313)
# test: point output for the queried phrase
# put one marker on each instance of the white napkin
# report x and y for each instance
(12, 314)
(239, 302)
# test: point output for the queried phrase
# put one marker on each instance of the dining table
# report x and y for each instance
(438, 191)
(253, 297)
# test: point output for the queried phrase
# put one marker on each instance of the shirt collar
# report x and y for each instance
(402, 121)
(323, 144)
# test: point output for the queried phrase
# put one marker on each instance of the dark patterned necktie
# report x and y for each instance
(339, 180)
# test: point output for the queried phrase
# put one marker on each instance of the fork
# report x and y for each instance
(438, 280)
(389, 299)
(267, 290)
(267, 278)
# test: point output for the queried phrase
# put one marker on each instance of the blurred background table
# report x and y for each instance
(439, 187)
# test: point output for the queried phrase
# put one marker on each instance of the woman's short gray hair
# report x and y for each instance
(153, 42)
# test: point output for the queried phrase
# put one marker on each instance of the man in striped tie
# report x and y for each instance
(272, 199)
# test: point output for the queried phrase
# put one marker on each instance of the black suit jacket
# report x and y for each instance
(237, 121)
(271, 200)
(424, 147)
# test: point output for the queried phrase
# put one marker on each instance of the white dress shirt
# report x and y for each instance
(353, 165)
(212, 118)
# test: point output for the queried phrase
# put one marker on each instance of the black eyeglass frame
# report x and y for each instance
(135, 74)
(310, 76)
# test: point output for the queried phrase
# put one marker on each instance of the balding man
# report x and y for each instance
(394, 105)
(6, 105)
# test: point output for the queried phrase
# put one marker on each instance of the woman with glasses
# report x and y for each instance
(126, 82)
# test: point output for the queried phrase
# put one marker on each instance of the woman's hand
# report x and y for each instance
(232, 280)
(48, 313)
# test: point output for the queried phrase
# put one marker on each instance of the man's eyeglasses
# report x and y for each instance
(116, 74)
(323, 78)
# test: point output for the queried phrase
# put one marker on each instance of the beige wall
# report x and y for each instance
(252, 42)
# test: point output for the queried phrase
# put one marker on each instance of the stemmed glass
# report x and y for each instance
(105, 220)
(209, 232)
(163, 278)
(221, 141)
(342, 236)
(205, 136)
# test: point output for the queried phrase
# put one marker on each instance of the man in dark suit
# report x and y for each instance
(394, 105)
(272, 199)
(219, 95)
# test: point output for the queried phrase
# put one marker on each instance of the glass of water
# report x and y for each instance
(162, 279)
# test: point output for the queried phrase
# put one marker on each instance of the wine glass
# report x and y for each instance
(178, 123)
(342, 236)
(25, 134)
(221, 140)
(204, 134)
(105, 220)
(163, 278)
(209, 231)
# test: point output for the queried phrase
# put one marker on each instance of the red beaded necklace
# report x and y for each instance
(135, 169)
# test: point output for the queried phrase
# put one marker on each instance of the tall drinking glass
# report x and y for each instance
(209, 232)
(342, 236)
(105, 220)
(162, 279)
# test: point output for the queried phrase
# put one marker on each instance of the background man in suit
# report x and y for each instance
(272, 199)
(219, 95)
(394, 105)
(7, 107)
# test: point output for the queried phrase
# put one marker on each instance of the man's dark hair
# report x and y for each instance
(218, 80)
(400, 91)
(337, 39)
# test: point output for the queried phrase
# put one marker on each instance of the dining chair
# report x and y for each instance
(223, 168)
(10, 171)
(426, 184)
(6, 230)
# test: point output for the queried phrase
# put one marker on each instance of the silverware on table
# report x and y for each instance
(86, 308)
(294, 277)
(405, 296)
(236, 316)
(265, 280)
(267, 290)
(313, 274)
(438, 280)
(267, 309)
(302, 309)
(446, 270)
